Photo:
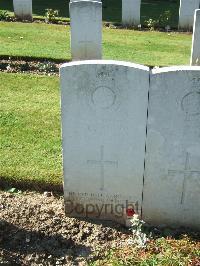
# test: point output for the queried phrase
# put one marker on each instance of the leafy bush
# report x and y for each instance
(3, 15)
(164, 21)
(151, 24)
(51, 15)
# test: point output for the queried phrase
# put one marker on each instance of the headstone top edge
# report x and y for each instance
(105, 62)
(85, 3)
(175, 69)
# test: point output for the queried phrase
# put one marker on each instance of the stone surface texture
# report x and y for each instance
(104, 112)
(172, 166)
(86, 30)
(195, 53)
(131, 12)
(23, 9)
(186, 13)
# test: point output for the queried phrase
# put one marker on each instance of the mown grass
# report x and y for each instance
(30, 142)
(53, 41)
(111, 9)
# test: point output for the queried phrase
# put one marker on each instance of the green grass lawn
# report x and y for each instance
(53, 41)
(111, 8)
(30, 146)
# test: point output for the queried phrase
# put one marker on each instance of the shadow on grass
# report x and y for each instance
(111, 9)
(17, 243)
(32, 185)
(33, 58)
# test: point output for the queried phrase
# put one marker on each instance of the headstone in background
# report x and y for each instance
(23, 9)
(172, 166)
(86, 30)
(131, 12)
(84, 0)
(186, 13)
(195, 53)
(104, 113)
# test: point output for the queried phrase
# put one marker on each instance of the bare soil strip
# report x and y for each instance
(39, 66)
(35, 231)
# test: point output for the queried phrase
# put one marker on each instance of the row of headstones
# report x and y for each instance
(130, 136)
(86, 27)
(86, 31)
(130, 11)
(115, 117)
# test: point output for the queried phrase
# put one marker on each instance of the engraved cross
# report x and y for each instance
(187, 173)
(102, 163)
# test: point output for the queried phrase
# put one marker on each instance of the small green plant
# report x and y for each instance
(51, 15)
(3, 15)
(164, 21)
(151, 24)
(140, 238)
(10, 66)
(47, 67)
(14, 191)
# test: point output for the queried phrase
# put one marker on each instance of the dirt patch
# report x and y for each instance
(45, 67)
(35, 231)
(38, 66)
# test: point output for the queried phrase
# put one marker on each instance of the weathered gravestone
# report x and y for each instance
(23, 9)
(186, 13)
(104, 112)
(86, 30)
(195, 53)
(172, 174)
(131, 12)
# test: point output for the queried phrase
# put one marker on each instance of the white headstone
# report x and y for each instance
(186, 13)
(172, 167)
(84, 0)
(131, 12)
(104, 112)
(86, 30)
(195, 53)
(23, 9)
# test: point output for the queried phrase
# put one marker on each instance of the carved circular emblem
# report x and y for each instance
(103, 97)
(191, 103)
